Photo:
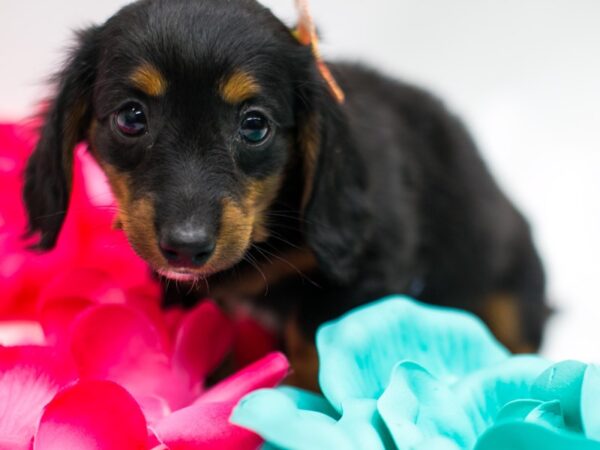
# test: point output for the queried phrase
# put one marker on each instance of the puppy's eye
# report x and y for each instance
(254, 128)
(131, 120)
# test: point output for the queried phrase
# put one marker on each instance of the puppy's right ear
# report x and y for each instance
(48, 175)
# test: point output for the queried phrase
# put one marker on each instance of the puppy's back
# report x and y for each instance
(443, 230)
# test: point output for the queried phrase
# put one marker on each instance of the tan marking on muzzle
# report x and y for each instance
(243, 222)
(136, 217)
(262, 194)
(149, 80)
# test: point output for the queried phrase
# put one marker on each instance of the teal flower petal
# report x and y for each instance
(532, 436)
(531, 424)
(358, 351)
(484, 393)
(362, 423)
(274, 416)
(548, 414)
(436, 443)
(417, 408)
(517, 410)
(309, 401)
(590, 402)
(563, 382)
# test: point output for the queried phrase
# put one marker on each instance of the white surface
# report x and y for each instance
(524, 74)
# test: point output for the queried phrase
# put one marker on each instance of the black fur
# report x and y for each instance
(401, 202)
(47, 185)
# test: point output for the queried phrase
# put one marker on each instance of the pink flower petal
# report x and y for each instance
(92, 415)
(75, 289)
(21, 332)
(45, 359)
(205, 336)
(24, 391)
(91, 284)
(266, 372)
(155, 408)
(147, 298)
(108, 249)
(16, 142)
(95, 182)
(29, 378)
(24, 272)
(91, 207)
(117, 342)
(56, 318)
(172, 318)
(12, 278)
(68, 294)
(205, 424)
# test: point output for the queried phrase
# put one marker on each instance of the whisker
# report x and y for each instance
(284, 260)
(207, 285)
(278, 237)
(252, 261)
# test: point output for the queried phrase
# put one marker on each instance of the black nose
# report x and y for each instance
(186, 246)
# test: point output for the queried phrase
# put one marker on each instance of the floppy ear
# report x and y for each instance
(49, 169)
(334, 202)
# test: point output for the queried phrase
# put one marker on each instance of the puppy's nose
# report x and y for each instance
(186, 247)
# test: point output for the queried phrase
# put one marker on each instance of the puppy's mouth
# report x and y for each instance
(183, 275)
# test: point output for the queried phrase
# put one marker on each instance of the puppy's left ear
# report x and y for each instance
(49, 169)
(336, 209)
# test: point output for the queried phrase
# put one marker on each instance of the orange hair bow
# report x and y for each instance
(306, 33)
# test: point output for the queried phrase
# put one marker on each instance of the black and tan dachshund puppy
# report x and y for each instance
(233, 163)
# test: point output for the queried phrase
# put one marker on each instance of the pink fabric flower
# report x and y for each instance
(90, 360)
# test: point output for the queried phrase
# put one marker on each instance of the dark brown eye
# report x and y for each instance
(131, 120)
(254, 128)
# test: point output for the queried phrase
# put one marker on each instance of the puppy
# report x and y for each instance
(232, 162)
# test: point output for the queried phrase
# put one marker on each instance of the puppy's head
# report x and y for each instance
(195, 110)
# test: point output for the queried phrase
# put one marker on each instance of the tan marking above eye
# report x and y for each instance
(149, 80)
(238, 87)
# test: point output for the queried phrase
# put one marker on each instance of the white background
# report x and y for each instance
(524, 74)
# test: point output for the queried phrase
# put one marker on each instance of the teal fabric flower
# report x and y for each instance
(398, 374)
(562, 414)
(358, 351)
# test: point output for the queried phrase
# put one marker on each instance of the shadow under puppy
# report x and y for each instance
(233, 164)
